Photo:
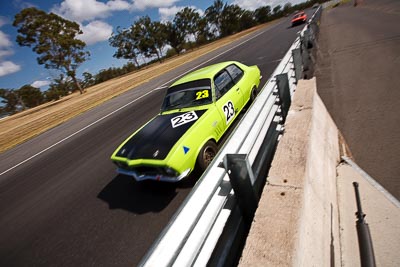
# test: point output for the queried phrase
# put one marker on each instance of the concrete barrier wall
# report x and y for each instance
(296, 223)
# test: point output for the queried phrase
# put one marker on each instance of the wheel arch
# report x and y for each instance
(198, 164)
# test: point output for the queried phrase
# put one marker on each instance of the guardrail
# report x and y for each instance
(209, 227)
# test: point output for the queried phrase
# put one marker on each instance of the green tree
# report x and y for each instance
(88, 79)
(287, 9)
(52, 94)
(174, 37)
(10, 101)
(187, 21)
(128, 67)
(53, 39)
(204, 32)
(58, 88)
(262, 14)
(247, 20)
(160, 35)
(152, 37)
(230, 21)
(214, 15)
(30, 96)
(277, 10)
(127, 45)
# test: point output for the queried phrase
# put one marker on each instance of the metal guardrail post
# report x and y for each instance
(314, 31)
(282, 83)
(304, 52)
(242, 178)
(298, 64)
(364, 236)
(309, 36)
(264, 158)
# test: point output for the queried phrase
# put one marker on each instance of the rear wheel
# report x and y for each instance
(253, 95)
(206, 155)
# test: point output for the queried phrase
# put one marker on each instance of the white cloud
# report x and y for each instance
(3, 20)
(4, 40)
(94, 11)
(91, 11)
(254, 4)
(200, 11)
(8, 67)
(5, 52)
(143, 4)
(39, 84)
(118, 5)
(168, 13)
(95, 31)
(87, 10)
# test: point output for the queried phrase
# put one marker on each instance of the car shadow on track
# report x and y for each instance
(142, 197)
(296, 26)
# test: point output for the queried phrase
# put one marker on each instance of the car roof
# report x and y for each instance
(204, 73)
(300, 13)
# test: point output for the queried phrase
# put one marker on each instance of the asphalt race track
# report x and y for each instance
(61, 201)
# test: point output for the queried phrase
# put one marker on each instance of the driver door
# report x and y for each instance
(229, 98)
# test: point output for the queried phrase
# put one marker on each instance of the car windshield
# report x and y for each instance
(298, 15)
(189, 94)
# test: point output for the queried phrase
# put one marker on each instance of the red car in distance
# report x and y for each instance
(299, 18)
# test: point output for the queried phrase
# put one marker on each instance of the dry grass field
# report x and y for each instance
(22, 126)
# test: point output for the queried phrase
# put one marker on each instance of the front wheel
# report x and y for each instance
(206, 155)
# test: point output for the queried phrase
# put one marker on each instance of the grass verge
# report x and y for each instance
(25, 125)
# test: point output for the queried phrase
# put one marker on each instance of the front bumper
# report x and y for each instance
(156, 177)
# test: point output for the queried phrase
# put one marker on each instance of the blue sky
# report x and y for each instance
(98, 19)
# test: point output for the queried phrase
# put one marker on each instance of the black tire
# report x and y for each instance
(253, 94)
(206, 155)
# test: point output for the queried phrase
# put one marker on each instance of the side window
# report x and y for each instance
(235, 72)
(223, 83)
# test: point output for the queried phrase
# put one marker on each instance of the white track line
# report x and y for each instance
(81, 130)
(124, 106)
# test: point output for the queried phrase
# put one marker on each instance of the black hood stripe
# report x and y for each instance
(156, 139)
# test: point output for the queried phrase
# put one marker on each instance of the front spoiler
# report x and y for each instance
(159, 177)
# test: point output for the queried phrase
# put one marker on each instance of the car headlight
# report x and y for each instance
(184, 174)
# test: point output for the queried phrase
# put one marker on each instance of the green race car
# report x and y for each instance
(196, 112)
